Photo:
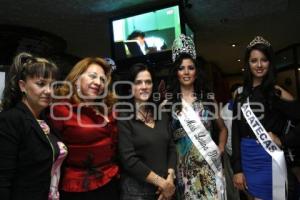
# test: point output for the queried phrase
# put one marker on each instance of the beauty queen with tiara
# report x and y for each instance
(199, 167)
(262, 110)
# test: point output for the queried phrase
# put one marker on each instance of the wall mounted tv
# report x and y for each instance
(160, 27)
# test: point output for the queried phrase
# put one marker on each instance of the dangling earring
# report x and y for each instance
(24, 94)
(77, 90)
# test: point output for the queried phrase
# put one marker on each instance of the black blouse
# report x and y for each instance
(26, 156)
(273, 115)
(143, 149)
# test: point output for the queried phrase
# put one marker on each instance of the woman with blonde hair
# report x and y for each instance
(84, 118)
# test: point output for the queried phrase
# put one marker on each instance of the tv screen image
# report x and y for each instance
(150, 32)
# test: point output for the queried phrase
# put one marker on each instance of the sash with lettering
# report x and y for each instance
(279, 173)
(202, 140)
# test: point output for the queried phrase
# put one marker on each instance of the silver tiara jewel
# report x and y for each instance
(183, 44)
(258, 40)
(111, 63)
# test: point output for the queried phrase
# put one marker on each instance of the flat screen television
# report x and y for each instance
(158, 26)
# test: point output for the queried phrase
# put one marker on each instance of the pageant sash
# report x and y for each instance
(202, 140)
(279, 173)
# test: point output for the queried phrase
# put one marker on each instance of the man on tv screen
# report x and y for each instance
(140, 37)
(157, 44)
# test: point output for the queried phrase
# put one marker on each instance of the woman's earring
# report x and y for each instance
(77, 89)
(24, 93)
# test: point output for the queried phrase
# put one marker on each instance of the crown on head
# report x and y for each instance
(258, 40)
(183, 44)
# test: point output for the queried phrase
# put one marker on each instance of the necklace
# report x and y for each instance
(145, 117)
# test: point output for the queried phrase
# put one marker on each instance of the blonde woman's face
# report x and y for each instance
(91, 83)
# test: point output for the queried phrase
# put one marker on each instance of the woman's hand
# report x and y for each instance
(239, 181)
(221, 149)
(275, 139)
(167, 189)
(170, 180)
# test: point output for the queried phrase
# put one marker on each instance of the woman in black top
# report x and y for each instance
(252, 165)
(146, 148)
(30, 156)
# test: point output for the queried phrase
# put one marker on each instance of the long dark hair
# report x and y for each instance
(200, 88)
(133, 72)
(268, 82)
(25, 65)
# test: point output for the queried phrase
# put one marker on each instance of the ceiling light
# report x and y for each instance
(243, 69)
(239, 60)
(298, 69)
(233, 45)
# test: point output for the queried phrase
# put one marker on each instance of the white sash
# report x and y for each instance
(200, 137)
(279, 173)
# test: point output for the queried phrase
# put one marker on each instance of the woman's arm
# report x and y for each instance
(166, 188)
(172, 155)
(9, 142)
(223, 134)
(290, 108)
(239, 180)
(236, 151)
(285, 95)
(287, 105)
(129, 159)
(134, 165)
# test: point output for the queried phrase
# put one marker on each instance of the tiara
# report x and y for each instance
(183, 44)
(111, 63)
(258, 40)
